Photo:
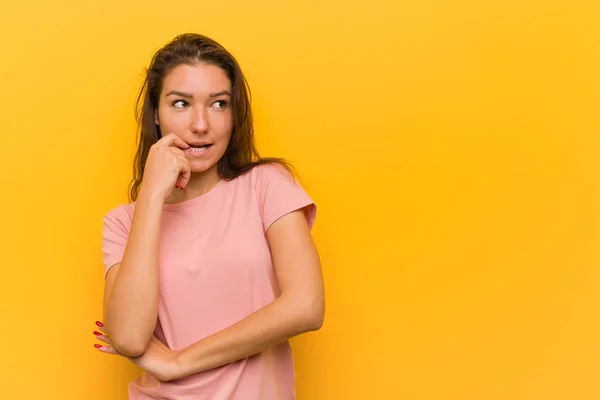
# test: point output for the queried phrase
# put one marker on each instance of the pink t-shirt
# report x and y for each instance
(215, 268)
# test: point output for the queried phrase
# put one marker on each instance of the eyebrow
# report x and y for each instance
(190, 96)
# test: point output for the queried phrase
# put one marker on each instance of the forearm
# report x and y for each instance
(132, 306)
(276, 322)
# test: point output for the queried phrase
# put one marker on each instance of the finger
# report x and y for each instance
(184, 166)
(100, 326)
(182, 160)
(173, 140)
(178, 154)
(102, 338)
(185, 174)
(177, 151)
(106, 349)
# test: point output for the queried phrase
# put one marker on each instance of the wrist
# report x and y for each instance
(150, 197)
(180, 368)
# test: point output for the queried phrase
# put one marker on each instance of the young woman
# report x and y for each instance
(211, 267)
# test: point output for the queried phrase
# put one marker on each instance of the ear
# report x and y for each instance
(156, 117)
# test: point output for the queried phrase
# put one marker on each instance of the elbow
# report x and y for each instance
(129, 341)
(316, 322)
(313, 315)
(130, 347)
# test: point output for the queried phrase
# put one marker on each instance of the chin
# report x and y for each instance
(202, 166)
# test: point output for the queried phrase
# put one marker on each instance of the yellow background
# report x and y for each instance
(452, 148)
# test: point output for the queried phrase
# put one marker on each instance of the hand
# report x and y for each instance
(166, 166)
(158, 360)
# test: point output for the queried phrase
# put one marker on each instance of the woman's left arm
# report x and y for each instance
(299, 308)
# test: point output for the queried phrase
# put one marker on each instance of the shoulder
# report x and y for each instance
(279, 193)
(121, 215)
(263, 174)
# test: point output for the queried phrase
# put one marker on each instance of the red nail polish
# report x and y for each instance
(97, 333)
(99, 324)
(97, 346)
(177, 186)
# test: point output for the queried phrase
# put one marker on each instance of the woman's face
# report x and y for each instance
(195, 104)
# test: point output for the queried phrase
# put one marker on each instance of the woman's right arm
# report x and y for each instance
(131, 288)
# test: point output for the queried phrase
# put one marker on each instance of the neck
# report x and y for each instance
(199, 184)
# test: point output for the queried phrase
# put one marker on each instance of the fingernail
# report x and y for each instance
(99, 324)
(177, 186)
(181, 187)
(97, 333)
(97, 346)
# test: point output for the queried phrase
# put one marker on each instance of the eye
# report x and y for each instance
(220, 104)
(179, 103)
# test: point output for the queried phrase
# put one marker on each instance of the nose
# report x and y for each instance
(199, 123)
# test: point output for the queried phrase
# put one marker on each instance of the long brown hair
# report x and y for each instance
(241, 154)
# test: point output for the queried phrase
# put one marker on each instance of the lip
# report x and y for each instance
(196, 144)
(197, 154)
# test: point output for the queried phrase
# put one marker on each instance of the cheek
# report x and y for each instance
(229, 123)
(175, 123)
(223, 125)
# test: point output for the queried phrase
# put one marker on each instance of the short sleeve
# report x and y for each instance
(280, 194)
(115, 232)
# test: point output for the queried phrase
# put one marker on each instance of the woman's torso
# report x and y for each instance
(215, 269)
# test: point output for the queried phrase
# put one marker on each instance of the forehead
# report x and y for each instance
(198, 79)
